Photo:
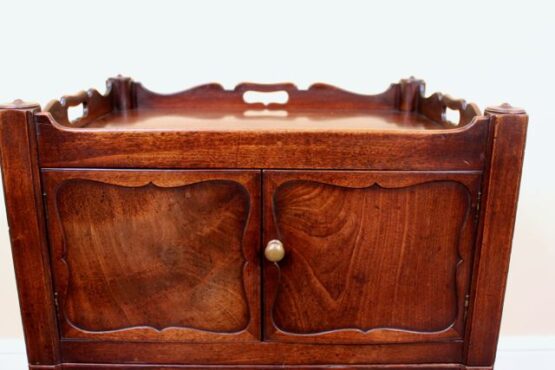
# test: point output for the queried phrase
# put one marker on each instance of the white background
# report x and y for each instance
(487, 52)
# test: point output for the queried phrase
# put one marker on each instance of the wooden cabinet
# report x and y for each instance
(195, 230)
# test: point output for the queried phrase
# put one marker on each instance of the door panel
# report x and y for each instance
(370, 256)
(163, 255)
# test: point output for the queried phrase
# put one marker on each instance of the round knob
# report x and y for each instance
(274, 251)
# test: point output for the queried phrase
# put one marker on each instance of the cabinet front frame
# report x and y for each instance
(249, 180)
(260, 185)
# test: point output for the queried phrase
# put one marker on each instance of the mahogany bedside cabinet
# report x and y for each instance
(208, 230)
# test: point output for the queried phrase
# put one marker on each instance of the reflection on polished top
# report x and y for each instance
(263, 120)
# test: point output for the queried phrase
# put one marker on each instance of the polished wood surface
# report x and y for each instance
(180, 270)
(260, 353)
(22, 189)
(501, 185)
(367, 257)
(93, 106)
(341, 259)
(387, 150)
(318, 96)
(135, 107)
(172, 119)
(322, 127)
(265, 367)
(139, 229)
(155, 255)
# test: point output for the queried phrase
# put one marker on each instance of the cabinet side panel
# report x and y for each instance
(22, 191)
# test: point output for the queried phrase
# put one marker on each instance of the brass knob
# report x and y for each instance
(274, 251)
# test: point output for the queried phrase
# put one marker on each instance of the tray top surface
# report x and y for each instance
(262, 120)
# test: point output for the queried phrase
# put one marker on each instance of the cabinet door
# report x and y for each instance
(372, 257)
(155, 255)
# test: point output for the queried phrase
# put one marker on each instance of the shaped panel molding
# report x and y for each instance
(148, 261)
(377, 262)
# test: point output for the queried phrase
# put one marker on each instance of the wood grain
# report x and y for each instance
(94, 105)
(501, 186)
(215, 98)
(122, 92)
(22, 191)
(260, 353)
(266, 367)
(366, 258)
(179, 119)
(455, 149)
(341, 259)
(434, 107)
(324, 128)
(163, 259)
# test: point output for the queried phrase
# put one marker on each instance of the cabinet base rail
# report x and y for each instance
(73, 366)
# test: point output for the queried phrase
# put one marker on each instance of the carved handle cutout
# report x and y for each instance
(266, 95)
(452, 116)
(266, 98)
(79, 109)
(76, 112)
(76, 106)
(445, 109)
